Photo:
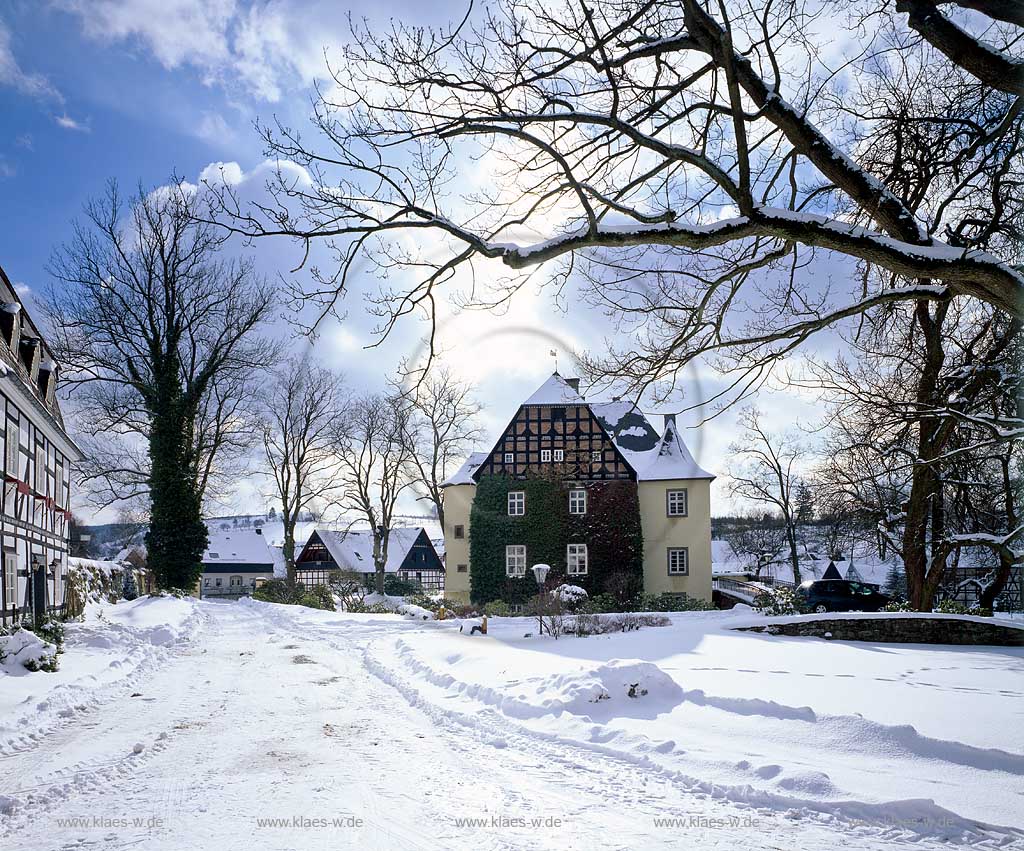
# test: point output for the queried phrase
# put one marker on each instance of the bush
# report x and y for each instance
(360, 607)
(673, 603)
(592, 624)
(897, 606)
(395, 586)
(601, 604)
(780, 601)
(497, 609)
(279, 591)
(952, 607)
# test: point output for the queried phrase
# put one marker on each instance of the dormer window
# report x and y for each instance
(47, 369)
(9, 322)
(27, 348)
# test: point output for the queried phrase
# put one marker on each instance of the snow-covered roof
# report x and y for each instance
(464, 475)
(353, 550)
(669, 459)
(236, 546)
(555, 391)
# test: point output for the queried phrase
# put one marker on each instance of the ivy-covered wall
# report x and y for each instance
(610, 528)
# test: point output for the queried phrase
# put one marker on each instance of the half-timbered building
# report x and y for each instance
(586, 447)
(37, 455)
(411, 556)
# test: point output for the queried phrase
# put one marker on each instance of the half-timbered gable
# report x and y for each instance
(555, 432)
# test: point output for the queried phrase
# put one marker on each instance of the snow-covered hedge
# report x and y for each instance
(23, 650)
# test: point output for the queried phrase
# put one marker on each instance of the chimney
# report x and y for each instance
(670, 422)
(574, 383)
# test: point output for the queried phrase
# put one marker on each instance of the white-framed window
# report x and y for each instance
(577, 501)
(516, 503)
(510, 457)
(675, 503)
(576, 559)
(545, 456)
(515, 560)
(678, 561)
(11, 579)
(460, 530)
(12, 448)
(595, 456)
(218, 582)
(559, 455)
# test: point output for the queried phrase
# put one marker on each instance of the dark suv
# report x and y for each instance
(841, 595)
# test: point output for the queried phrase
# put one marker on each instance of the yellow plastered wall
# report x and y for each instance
(458, 499)
(662, 532)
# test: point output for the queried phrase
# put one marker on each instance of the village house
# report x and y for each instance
(235, 561)
(38, 454)
(411, 557)
(589, 488)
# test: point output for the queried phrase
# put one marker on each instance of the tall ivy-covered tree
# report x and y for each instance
(158, 332)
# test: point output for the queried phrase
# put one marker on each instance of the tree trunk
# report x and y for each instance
(794, 555)
(379, 560)
(987, 598)
(177, 535)
(289, 548)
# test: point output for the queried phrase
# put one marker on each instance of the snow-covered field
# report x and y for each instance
(177, 724)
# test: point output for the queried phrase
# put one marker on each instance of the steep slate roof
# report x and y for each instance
(652, 456)
(237, 546)
(353, 550)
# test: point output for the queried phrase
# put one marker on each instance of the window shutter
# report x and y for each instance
(12, 448)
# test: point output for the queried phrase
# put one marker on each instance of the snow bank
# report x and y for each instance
(821, 730)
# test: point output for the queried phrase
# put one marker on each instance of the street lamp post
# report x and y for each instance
(540, 573)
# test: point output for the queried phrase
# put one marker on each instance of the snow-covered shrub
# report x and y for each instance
(898, 606)
(780, 601)
(21, 647)
(595, 624)
(279, 591)
(571, 596)
(551, 618)
(952, 607)
(361, 607)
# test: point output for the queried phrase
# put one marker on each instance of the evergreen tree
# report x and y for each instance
(129, 590)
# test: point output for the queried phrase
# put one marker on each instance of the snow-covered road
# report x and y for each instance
(271, 729)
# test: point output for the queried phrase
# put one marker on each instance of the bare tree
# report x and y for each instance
(761, 537)
(374, 455)
(699, 160)
(158, 335)
(442, 431)
(918, 429)
(766, 470)
(299, 416)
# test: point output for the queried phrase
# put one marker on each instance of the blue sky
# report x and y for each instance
(139, 90)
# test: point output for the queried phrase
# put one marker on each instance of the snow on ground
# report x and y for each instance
(114, 647)
(380, 731)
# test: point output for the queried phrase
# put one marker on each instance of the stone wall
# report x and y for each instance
(901, 630)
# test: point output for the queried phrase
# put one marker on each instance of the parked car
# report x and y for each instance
(841, 595)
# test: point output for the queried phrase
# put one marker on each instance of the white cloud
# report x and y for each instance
(214, 129)
(7, 170)
(12, 75)
(263, 47)
(69, 123)
(25, 141)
